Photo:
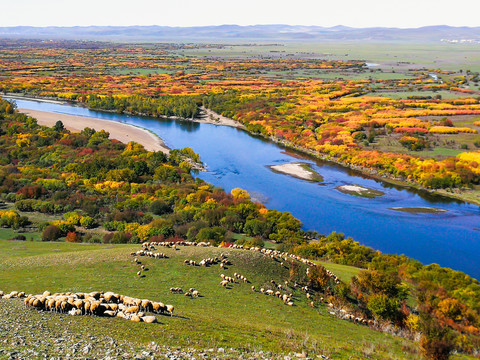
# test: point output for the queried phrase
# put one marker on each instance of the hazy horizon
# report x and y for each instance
(191, 13)
(252, 25)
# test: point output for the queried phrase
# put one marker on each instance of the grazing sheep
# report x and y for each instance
(146, 305)
(149, 319)
(86, 307)
(75, 312)
(170, 309)
(95, 294)
(50, 304)
(132, 310)
(110, 297)
(195, 293)
(253, 287)
(135, 318)
(159, 307)
(121, 315)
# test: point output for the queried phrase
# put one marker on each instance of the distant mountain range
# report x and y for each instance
(254, 32)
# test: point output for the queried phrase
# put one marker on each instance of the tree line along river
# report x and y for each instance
(235, 158)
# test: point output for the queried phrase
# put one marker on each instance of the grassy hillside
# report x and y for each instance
(229, 318)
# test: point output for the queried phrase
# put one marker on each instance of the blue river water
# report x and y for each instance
(236, 159)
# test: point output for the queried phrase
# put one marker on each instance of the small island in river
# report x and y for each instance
(357, 190)
(419, 210)
(299, 170)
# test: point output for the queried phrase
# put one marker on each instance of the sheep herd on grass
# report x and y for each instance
(155, 255)
(286, 298)
(12, 295)
(108, 304)
(345, 315)
(209, 261)
(281, 257)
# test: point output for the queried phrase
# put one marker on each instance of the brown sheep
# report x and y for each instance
(159, 307)
(135, 318)
(146, 305)
(86, 307)
(132, 310)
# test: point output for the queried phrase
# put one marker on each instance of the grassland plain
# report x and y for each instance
(234, 318)
(387, 54)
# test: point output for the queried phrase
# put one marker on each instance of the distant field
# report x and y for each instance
(334, 75)
(407, 94)
(388, 55)
(442, 145)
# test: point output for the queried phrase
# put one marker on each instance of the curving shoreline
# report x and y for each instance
(210, 116)
(121, 132)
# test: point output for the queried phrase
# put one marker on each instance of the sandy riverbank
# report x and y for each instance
(122, 132)
(211, 117)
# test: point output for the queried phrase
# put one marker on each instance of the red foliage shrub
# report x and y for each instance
(73, 237)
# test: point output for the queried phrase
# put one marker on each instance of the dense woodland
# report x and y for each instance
(109, 192)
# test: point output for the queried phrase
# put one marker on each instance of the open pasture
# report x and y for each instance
(222, 317)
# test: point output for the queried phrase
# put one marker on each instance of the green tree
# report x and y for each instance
(58, 127)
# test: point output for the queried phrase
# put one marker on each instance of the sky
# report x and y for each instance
(354, 13)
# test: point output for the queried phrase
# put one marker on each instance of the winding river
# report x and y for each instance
(236, 159)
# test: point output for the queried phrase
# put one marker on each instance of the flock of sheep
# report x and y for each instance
(228, 279)
(274, 254)
(209, 261)
(190, 293)
(282, 258)
(115, 305)
(99, 304)
(286, 297)
(95, 303)
(12, 295)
